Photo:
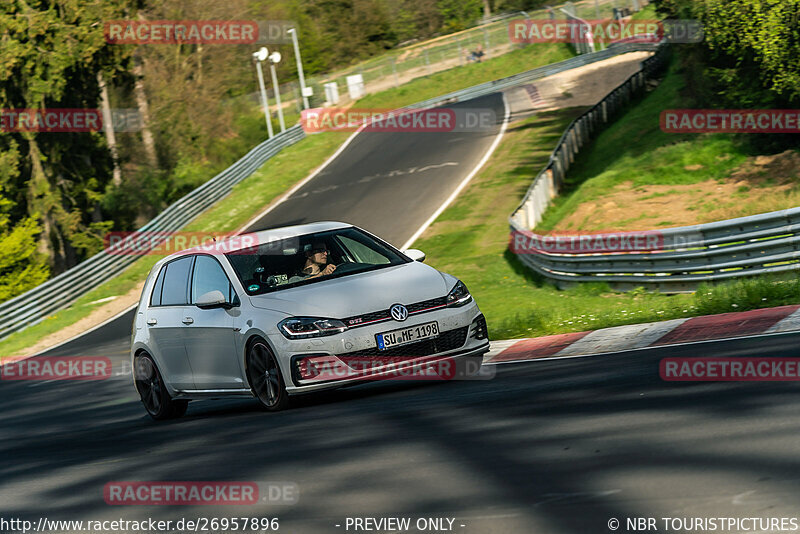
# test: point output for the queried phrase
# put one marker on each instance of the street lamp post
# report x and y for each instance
(274, 59)
(299, 67)
(260, 56)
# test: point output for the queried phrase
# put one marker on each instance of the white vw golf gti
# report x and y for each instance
(293, 310)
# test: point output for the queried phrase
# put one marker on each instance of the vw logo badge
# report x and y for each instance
(399, 312)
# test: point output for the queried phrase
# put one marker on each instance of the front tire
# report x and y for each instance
(153, 391)
(264, 376)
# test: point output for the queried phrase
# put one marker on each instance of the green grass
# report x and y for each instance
(247, 198)
(440, 83)
(647, 13)
(633, 154)
(634, 150)
(470, 240)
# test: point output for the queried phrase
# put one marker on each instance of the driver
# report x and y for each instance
(316, 262)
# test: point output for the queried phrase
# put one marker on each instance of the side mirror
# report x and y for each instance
(414, 254)
(212, 299)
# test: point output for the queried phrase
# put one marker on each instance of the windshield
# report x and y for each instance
(311, 258)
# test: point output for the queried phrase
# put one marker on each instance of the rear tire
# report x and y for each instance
(153, 392)
(264, 376)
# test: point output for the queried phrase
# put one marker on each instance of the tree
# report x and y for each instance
(51, 54)
(750, 56)
(460, 14)
(21, 266)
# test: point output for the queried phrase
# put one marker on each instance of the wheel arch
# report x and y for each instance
(138, 351)
(252, 337)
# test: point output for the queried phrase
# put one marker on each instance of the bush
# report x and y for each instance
(21, 266)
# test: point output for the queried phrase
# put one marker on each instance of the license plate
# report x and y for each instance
(403, 336)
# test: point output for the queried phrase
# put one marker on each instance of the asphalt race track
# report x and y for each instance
(390, 183)
(546, 446)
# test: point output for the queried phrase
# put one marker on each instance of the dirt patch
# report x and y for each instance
(582, 86)
(760, 185)
(585, 86)
(780, 168)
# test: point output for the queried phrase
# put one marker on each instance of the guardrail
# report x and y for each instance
(683, 258)
(585, 44)
(547, 183)
(61, 291)
(686, 256)
(533, 74)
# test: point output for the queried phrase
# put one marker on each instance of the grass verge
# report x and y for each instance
(470, 241)
(636, 177)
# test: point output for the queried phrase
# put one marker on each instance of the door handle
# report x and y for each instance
(152, 321)
(188, 320)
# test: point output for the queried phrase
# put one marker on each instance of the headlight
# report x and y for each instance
(304, 327)
(458, 296)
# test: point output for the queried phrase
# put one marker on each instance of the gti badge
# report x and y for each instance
(399, 312)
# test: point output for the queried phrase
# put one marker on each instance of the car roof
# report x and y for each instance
(234, 243)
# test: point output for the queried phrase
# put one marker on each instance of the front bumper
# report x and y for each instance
(441, 367)
(353, 356)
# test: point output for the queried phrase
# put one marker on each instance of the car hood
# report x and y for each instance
(357, 294)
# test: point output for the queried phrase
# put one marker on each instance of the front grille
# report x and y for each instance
(425, 304)
(359, 320)
(450, 340)
(384, 315)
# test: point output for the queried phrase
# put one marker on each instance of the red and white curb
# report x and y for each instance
(639, 336)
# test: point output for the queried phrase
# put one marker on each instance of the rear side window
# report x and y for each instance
(176, 282)
(155, 299)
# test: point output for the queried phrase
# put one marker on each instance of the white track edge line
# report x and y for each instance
(466, 180)
(301, 183)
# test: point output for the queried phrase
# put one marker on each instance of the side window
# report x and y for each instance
(176, 282)
(155, 298)
(209, 276)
